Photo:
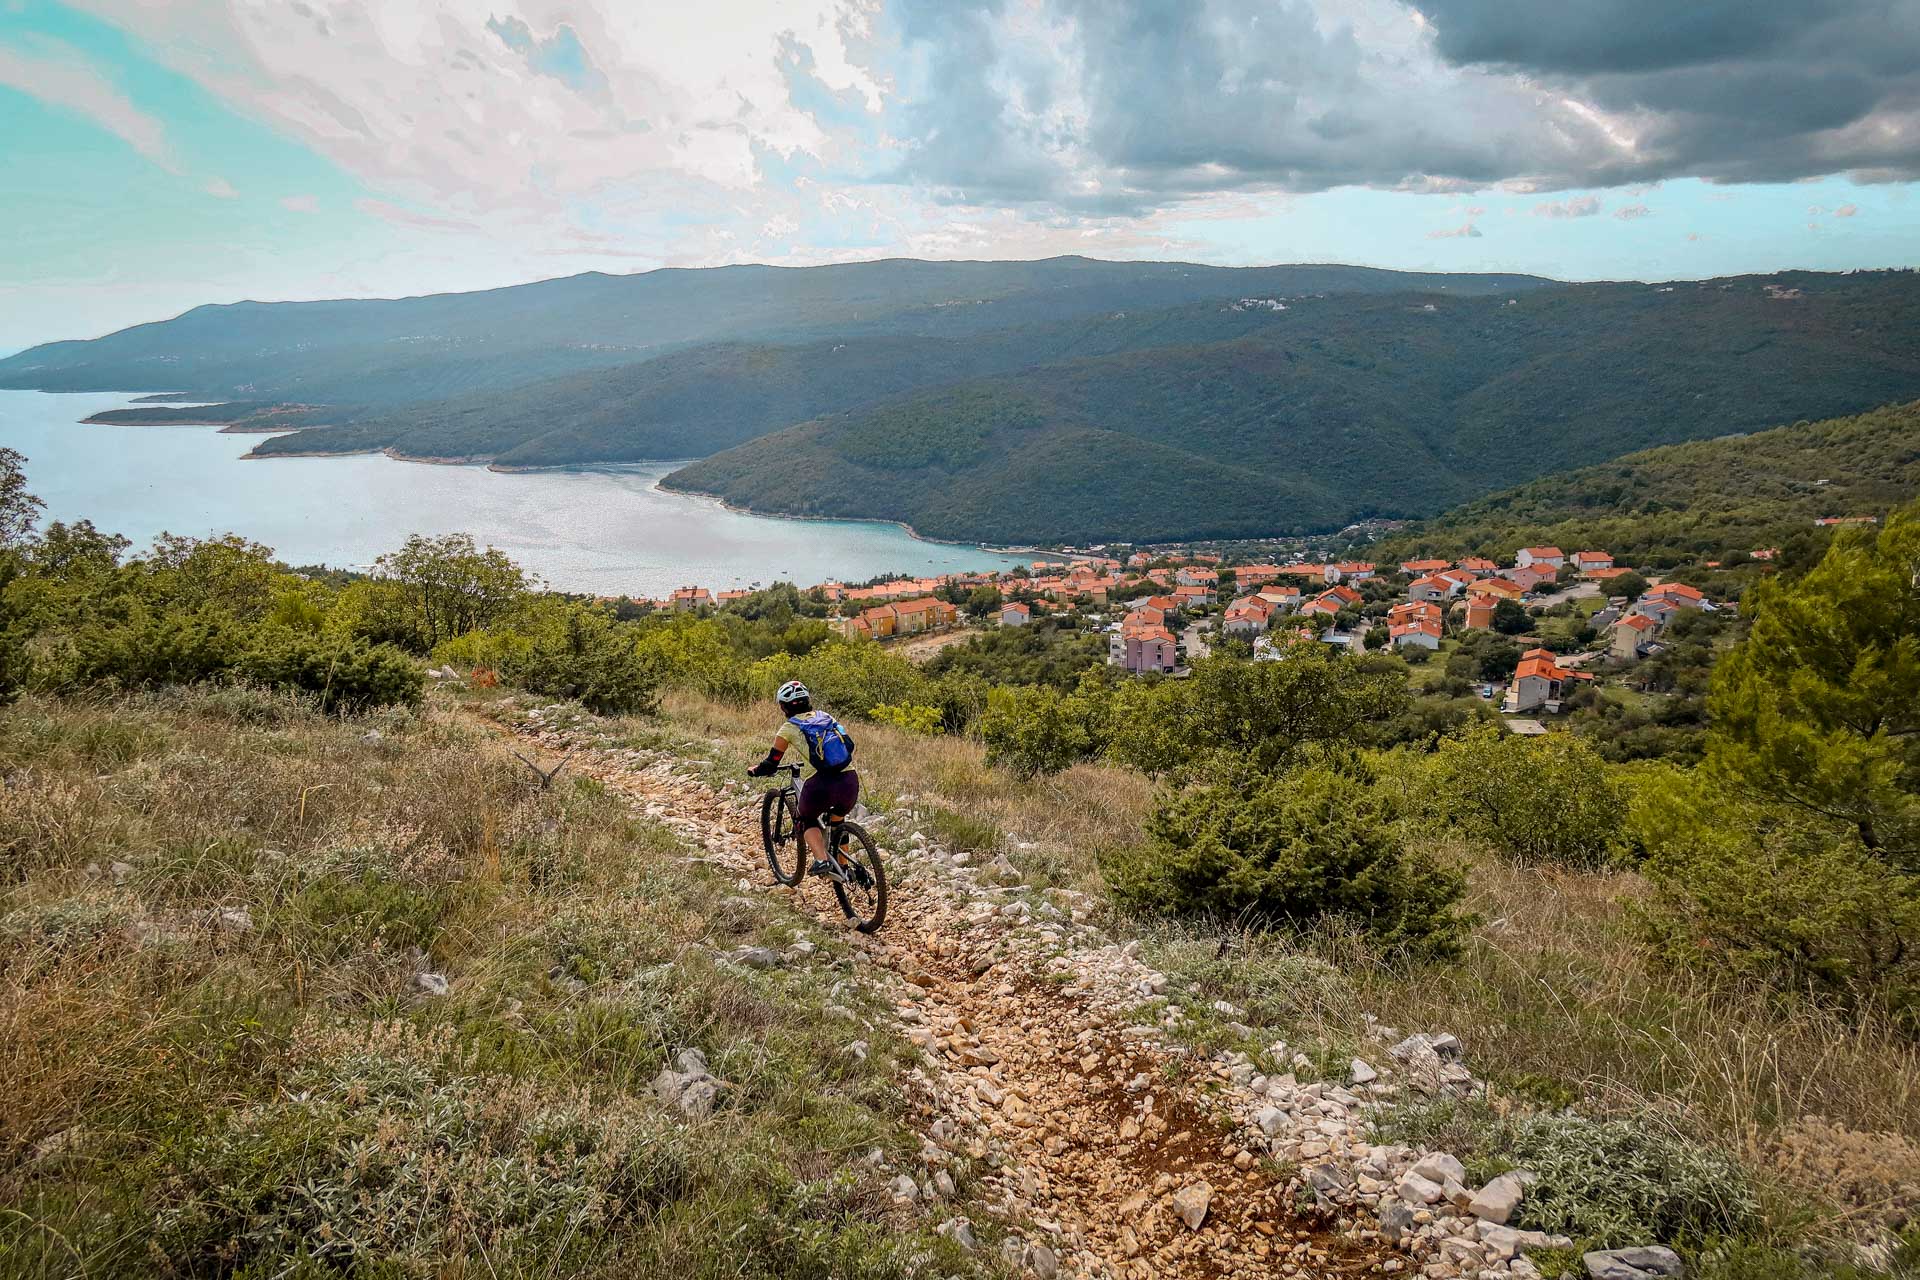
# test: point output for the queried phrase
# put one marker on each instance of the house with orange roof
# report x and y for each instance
(1256, 575)
(1284, 599)
(1354, 570)
(1529, 576)
(1501, 588)
(1478, 566)
(1413, 610)
(686, 598)
(728, 597)
(1420, 568)
(856, 628)
(1139, 645)
(1195, 576)
(1331, 601)
(1632, 636)
(1248, 616)
(881, 621)
(1435, 586)
(1588, 561)
(928, 613)
(1682, 595)
(1193, 595)
(1317, 572)
(1539, 681)
(1480, 609)
(1606, 575)
(1543, 557)
(1419, 633)
(1015, 614)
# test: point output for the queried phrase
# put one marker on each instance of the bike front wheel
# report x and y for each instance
(863, 894)
(780, 834)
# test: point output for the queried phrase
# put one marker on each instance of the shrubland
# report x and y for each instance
(1689, 987)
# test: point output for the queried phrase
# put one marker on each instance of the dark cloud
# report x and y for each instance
(1728, 90)
(1098, 105)
(1121, 105)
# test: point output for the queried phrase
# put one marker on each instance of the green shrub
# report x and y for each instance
(1606, 1183)
(1289, 850)
(1613, 1183)
(847, 677)
(914, 719)
(344, 675)
(147, 648)
(1550, 799)
(1763, 891)
(581, 653)
(1034, 730)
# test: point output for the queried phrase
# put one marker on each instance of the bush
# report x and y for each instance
(584, 654)
(847, 677)
(1550, 799)
(1289, 850)
(1615, 1183)
(145, 649)
(1765, 892)
(1035, 730)
(914, 719)
(344, 675)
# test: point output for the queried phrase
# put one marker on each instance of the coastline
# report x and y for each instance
(717, 500)
(901, 525)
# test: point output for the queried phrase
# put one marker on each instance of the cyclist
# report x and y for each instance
(832, 789)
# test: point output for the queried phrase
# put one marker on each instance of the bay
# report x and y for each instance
(607, 530)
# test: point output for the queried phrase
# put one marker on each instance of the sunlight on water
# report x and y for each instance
(606, 530)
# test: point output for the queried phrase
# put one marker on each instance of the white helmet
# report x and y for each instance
(791, 692)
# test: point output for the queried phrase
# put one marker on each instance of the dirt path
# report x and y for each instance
(919, 649)
(1093, 1135)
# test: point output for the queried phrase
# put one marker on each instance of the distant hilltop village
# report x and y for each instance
(1160, 609)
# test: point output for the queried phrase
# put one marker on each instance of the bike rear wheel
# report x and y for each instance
(863, 895)
(780, 834)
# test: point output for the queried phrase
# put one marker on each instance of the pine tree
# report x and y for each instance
(1820, 707)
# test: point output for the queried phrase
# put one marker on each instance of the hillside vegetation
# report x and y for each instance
(1661, 506)
(1338, 409)
(300, 978)
(382, 352)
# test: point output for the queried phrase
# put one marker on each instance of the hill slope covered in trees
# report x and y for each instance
(1733, 493)
(1338, 409)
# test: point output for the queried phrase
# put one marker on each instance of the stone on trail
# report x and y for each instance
(1439, 1167)
(433, 984)
(1042, 1261)
(1363, 1073)
(1191, 1203)
(1496, 1201)
(754, 957)
(1644, 1262)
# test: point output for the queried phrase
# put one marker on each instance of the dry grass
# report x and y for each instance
(1555, 999)
(196, 1093)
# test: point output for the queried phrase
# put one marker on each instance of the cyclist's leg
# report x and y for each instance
(810, 809)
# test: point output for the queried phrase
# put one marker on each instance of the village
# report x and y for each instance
(1160, 610)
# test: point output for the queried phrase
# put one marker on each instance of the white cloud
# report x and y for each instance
(1628, 212)
(60, 75)
(469, 108)
(301, 204)
(221, 189)
(1465, 232)
(1578, 207)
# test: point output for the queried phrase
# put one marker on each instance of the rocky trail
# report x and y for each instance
(1104, 1149)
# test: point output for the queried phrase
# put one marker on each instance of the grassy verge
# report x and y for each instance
(1557, 1003)
(225, 1047)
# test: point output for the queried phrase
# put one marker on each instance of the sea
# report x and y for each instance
(607, 530)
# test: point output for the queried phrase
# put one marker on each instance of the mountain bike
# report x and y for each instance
(860, 882)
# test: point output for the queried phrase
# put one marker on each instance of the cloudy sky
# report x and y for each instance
(162, 153)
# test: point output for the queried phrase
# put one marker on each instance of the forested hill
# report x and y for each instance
(1340, 408)
(1736, 493)
(382, 352)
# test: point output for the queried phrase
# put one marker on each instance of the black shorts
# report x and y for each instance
(824, 793)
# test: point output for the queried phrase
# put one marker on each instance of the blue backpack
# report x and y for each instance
(829, 745)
